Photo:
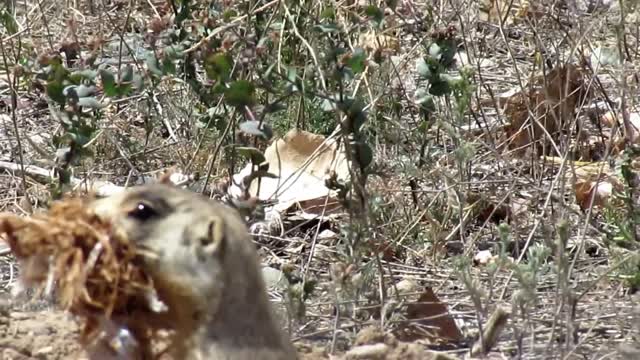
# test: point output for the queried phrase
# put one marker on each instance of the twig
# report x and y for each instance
(494, 327)
(98, 187)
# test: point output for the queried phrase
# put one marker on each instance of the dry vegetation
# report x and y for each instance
(483, 200)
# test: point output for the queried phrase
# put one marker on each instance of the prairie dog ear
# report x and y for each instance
(213, 242)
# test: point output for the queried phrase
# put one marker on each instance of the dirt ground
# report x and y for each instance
(38, 334)
(52, 334)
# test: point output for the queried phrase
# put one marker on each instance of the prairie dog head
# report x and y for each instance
(186, 241)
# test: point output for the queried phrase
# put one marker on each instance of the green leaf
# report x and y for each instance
(58, 71)
(364, 153)
(358, 60)
(174, 51)
(345, 73)
(127, 74)
(424, 70)
(328, 13)
(108, 83)
(218, 89)
(124, 89)
(85, 90)
(70, 92)
(78, 76)
(90, 102)
(434, 51)
(8, 21)
(447, 52)
(218, 66)
(376, 14)
(168, 66)
(326, 28)
(453, 81)
(424, 100)
(355, 114)
(256, 156)
(439, 88)
(240, 93)
(228, 15)
(55, 91)
(292, 76)
(152, 64)
(255, 128)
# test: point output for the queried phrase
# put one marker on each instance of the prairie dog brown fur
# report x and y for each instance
(205, 269)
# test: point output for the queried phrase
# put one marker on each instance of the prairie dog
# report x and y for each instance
(205, 269)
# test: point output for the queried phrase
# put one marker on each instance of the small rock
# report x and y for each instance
(483, 257)
(406, 286)
(327, 234)
(374, 351)
(274, 278)
(12, 354)
(43, 351)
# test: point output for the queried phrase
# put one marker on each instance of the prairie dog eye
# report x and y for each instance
(142, 212)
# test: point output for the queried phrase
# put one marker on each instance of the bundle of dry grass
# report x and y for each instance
(93, 265)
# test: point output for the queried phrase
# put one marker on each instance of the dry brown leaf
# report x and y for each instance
(431, 320)
(300, 160)
(487, 208)
(552, 103)
(387, 250)
(610, 120)
(600, 191)
(592, 179)
(373, 42)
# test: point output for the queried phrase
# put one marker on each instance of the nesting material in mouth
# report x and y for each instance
(97, 271)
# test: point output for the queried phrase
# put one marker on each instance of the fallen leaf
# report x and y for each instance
(487, 208)
(431, 320)
(371, 42)
(327, 234)
(600, 191)
(552, 99)
(610, 120)
(592, 179)
(300, 160)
